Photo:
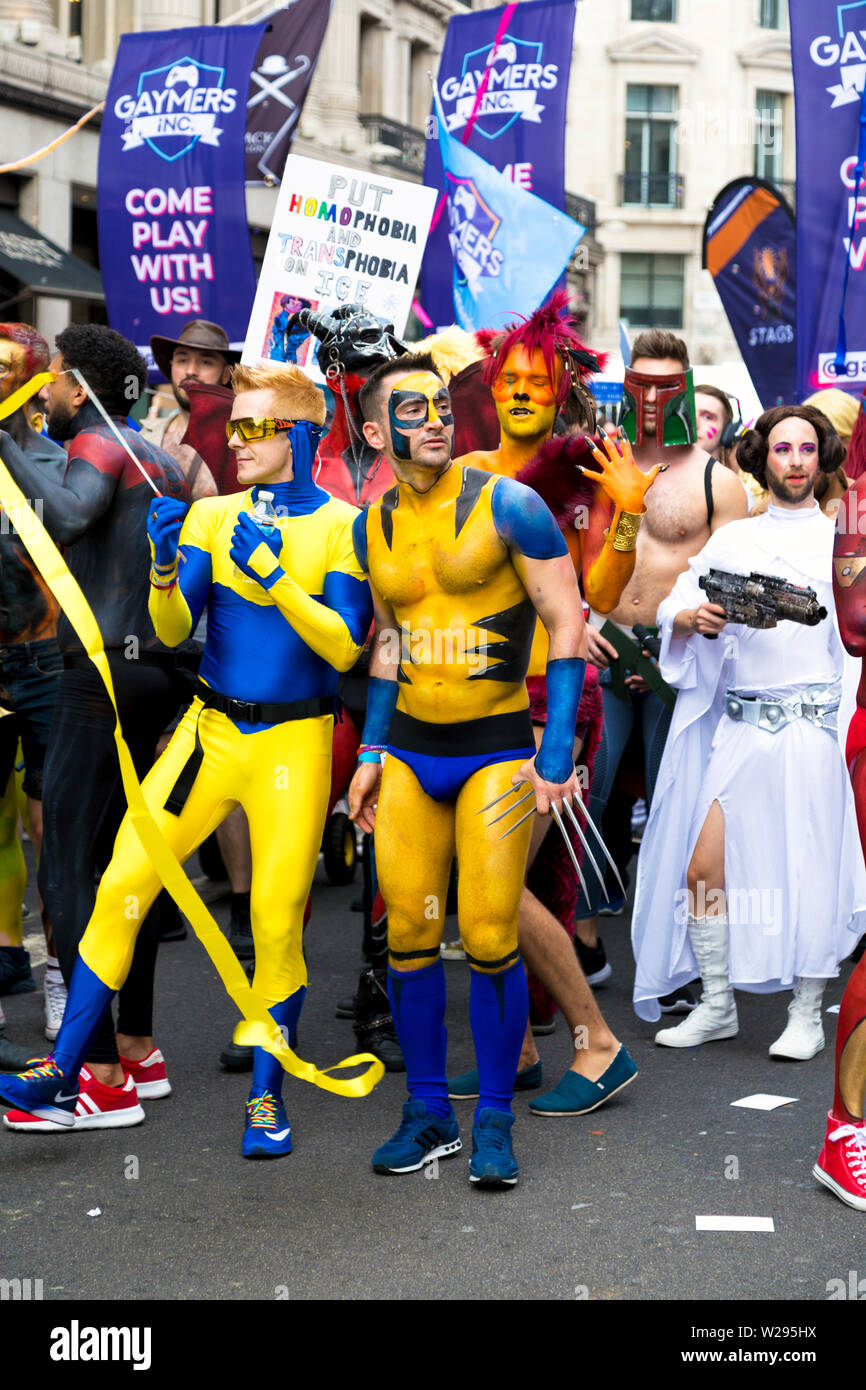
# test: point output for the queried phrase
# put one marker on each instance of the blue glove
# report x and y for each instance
(164, 521)
(246, 536)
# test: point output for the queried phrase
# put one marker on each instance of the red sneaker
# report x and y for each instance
(98, 1107)
(841, 1164)
(150, 1076)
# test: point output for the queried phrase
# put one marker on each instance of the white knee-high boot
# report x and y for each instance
(804, 1036)
(715, 1017)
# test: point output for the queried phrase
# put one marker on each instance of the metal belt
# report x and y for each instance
(819, 705)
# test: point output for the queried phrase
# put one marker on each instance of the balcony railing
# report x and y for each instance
(406, 142)
(652, 190)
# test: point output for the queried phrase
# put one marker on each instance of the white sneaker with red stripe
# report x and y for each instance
(98, 1107)
(150, 1076)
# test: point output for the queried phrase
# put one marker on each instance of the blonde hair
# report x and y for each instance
(451, 350)
(297, 397)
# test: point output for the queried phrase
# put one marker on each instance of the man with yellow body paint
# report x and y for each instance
(461, 565)
(537, 372)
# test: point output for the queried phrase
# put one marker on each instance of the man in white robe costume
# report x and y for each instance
(794, 874)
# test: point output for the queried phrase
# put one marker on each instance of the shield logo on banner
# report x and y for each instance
(511, 52)
(173, 134)
(474, 224)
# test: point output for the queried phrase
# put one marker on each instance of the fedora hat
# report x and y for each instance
(199, 333)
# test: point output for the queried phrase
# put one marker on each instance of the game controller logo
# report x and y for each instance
(473, 227)
(517, 74)
(848, 49)
(174, 107)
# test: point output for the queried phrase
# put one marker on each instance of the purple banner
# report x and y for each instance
(750, 251)
(284, 67)
(520, 128)
(828, 49)
(173, 238)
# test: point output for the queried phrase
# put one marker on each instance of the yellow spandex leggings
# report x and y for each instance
(281, 777)
(416, 838)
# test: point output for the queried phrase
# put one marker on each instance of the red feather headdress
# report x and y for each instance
(551, 330)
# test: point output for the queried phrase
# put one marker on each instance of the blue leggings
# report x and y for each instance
(646, 709)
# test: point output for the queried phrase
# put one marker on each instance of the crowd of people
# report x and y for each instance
(506, 624)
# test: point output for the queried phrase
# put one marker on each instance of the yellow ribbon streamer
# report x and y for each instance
(23, 394)
(258, 1028)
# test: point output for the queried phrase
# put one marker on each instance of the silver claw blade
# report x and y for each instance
(562, 830)
(491, 804)
(530, 812)
(586, 849)
(513, 807)
(603, 847)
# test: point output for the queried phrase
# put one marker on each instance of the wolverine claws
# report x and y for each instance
(586, 849)
(564, 833)
(520, 822)
(509, 809)
(604, 849)
(491, 804)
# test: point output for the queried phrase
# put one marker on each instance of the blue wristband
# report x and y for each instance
(555, 759)
(381, 702)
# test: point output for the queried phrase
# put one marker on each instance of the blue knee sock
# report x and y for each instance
(498, 1010)
(85, 1007)
(418, 1005)
(267, 1072)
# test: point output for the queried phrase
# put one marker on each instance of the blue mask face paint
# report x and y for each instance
(415, 401)
(302, 495)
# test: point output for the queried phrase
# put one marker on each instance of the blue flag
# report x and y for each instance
(508, 247)
(520, 122)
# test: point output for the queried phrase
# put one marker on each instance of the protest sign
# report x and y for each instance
(338, 237)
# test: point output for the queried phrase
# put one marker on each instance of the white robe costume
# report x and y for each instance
(794, 872)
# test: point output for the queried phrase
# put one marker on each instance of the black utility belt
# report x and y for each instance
(257, 712)
(252, 711)
(491, 734)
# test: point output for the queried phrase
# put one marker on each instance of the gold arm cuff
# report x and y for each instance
(625, 535)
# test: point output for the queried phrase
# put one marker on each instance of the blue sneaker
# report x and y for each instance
(576, 1096)
(466, 1085)
(422, 1136)
(267, 1133)
(493, 1163)
(42, 1091)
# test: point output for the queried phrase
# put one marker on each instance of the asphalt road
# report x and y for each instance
(605, 1207)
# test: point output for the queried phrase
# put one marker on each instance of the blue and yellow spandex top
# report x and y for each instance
(288, 642)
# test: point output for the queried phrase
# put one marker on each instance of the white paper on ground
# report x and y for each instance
(734, 1223)
(764, 1102)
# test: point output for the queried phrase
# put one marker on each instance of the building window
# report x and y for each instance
(650, 146)
(370, 58)
(768, 135)
(771, 14)
(651, 290)
(662, 11)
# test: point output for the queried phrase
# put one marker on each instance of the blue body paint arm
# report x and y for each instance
(555, 758)
(524, 522)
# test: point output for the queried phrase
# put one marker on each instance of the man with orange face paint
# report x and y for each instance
(537, 372)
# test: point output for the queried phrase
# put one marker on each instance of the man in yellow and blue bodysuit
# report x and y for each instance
(460, 564)
(288, 609)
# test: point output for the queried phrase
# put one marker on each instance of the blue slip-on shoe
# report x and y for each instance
(493, 1163)
(42, 1091)
(466, 1086)
(421, 1138)
(575, 1095)
(267, 1133)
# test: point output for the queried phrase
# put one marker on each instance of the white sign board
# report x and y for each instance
(338, 236)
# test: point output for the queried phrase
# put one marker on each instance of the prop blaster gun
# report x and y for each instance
(761, 600)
